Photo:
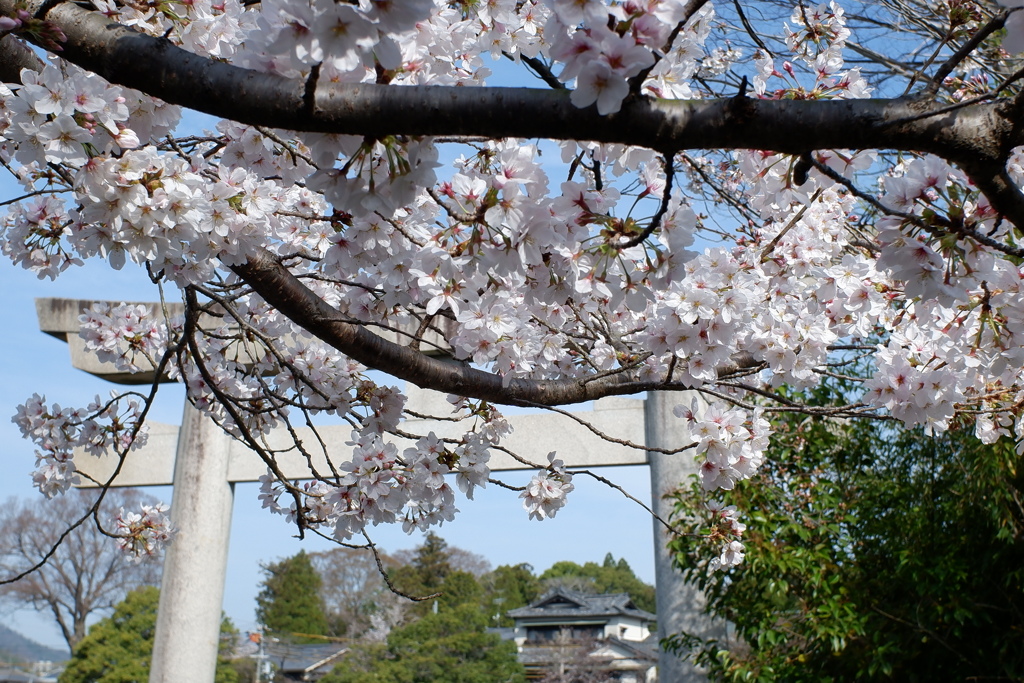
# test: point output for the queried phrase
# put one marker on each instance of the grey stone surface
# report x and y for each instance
(195, 566)
(680, 605)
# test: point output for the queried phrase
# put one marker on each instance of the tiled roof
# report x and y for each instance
(543, 655)
(290, 657)
(564, 603)
(15, 676)
(644, 649)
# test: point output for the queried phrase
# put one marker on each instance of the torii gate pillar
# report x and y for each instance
(680, 604)
(192, 591)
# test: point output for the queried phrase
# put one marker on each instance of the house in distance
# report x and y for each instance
(605, 635)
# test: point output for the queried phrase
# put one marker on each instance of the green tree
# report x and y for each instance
(119, 648)
(460, 588)
(611, 576)
(451, 646)
(872, 553)
(508, 587)
(425, 574)
(289, 604)
(428, 568)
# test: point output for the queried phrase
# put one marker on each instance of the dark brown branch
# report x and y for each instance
(655, 223)
(540, 68)
(163, 70)
(1005, 197)
(750, 29)
(285, 291)
(15, 56)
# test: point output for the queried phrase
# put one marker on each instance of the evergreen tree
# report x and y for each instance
(610, 576)
(451, 646)
(289, 604)
(509, 587)
(426, 573)
(119, 648)
(460, 588)
(428, 569)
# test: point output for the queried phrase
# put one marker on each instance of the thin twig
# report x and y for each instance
(965, 50)
(627, 494)
(611, 439)
(766, 254)
(750, 29)
(387, 579)
(655, 223)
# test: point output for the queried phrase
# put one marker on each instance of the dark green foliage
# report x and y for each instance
(460, 588)
(118, 649)
(446, 642)
(611, 576)
(450, 646)
(289, 605)
(508, 587)
(873, 553)
(427, 570)
(425, 574)
(430, 572)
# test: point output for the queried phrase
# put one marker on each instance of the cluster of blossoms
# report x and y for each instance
(519, 266)
(731, 442)
(602, 47)
(379, 485)
(129, 336)
(546, 493)
(57, 432)
(727, 529)
(141, 535)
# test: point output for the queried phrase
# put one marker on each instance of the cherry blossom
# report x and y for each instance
(738, 275)
(142, 534)
(546, 493)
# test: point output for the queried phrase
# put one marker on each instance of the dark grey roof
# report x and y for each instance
(16, 676)
(644, 649)
(562, 603)
(294, 658)
(544, 655)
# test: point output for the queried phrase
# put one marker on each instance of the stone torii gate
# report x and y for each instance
(203, 464)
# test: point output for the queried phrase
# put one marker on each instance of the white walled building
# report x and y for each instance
(566, 630)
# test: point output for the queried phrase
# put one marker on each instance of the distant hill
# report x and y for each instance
(15, 647)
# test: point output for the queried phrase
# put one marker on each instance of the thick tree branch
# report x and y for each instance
(1004, 195)
(282, 289)
(15, 56)
(163, 70)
